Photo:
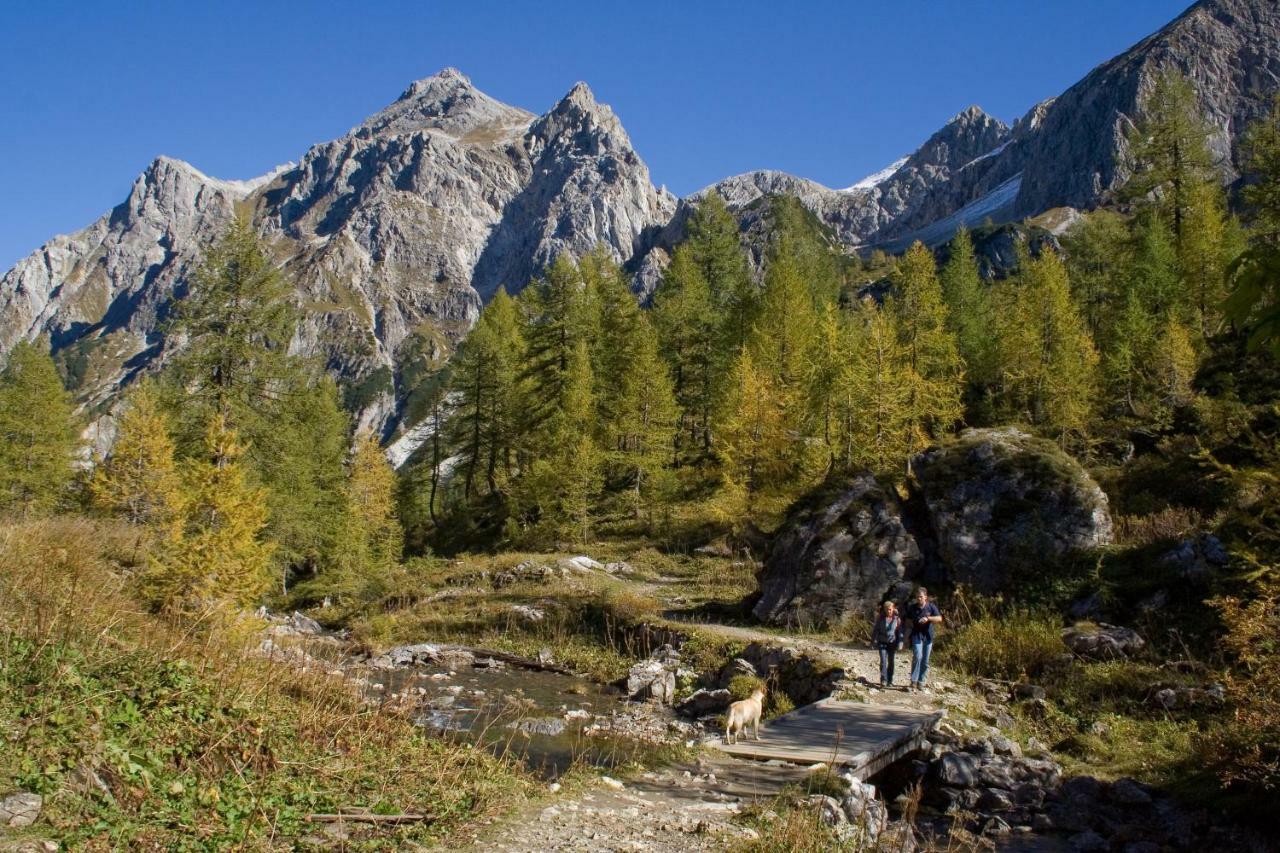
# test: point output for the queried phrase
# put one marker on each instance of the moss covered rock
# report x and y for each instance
(837, 556)
(1000, 501)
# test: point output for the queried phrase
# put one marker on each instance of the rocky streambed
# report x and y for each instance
(523, 708)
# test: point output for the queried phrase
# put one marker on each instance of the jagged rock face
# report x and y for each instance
(1000, 501)
(837, 556)
(1066, 151)
(105, 287)
(870, 212)
(394, 234)
(1230, 49)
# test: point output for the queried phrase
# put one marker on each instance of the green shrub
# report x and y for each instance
(742, 685)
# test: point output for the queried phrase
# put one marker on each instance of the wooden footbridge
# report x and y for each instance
(854, 736)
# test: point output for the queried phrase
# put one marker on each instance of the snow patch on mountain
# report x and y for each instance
(874, 180)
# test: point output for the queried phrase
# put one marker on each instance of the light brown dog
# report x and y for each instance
(743, 713)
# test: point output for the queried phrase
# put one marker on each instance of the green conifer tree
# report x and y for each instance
(687, 322)
(1169, 147)
(37, 433)
(967, 303)
(642, 426)
(936, 380)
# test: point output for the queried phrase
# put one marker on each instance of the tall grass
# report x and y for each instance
(1016, 644)
(150, 733)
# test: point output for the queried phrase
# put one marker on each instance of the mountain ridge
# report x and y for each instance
(397, 232)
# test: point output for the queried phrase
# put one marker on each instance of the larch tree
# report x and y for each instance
(1061, 380)
(37, 433)
(373, 535)
(1169, 147)
(218, 555)
(233, 329)
(754, 444)
(968, 305)
(714, 246)
(936, 379)
(642, 428)
(1254, 300)
(139, 481)
(686, 318)
(873, 402)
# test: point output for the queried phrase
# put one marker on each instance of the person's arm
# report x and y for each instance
(937, 615)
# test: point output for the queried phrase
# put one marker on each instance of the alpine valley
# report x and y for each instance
(396, 234)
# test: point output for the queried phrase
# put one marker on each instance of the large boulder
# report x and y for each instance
(1000, 499)
(837, 556)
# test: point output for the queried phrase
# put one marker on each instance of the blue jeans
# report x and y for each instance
(886, 664)
(921, 646)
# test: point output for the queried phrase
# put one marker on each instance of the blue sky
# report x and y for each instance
(90, 93)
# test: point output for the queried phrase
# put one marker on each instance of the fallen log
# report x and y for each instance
(514, 660)
(365, 817)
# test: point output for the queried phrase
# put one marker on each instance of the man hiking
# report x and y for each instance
(922, 615)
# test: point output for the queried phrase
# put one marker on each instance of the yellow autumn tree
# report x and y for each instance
(373, 537)
(217, 554)
(139, 480)
(752, 435)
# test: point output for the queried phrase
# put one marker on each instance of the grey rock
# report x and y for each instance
(1197, 558)
(1089, 842)
(1028, 691)
(1130, 793)
(999, 496)
(828, 809)
(956, 769)
(303, 624)
(735, 668)
(704, 702)
(550, 726)
(995, 800)
(1102, 641)
(20, 809)
(1006, 746)
(838, 554)
(997, 774)
(528, 613)
(995, 826)
(653, 679)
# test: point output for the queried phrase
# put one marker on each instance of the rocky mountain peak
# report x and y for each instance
(445, 101)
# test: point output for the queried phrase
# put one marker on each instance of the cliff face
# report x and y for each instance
(1066, 151)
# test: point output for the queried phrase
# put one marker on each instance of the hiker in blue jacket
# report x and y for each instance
(886, 636)
(922, 615)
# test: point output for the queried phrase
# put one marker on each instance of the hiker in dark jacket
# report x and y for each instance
(922, 615)
(886, 636)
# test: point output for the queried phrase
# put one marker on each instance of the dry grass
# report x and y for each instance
(198, 744)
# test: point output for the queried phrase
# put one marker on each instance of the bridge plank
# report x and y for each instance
(853, 735)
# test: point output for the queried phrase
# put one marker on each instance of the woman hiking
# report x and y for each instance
(886, 636)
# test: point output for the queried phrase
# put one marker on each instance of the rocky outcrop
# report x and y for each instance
(99, 294)
(990, 504)
(1069, 150)
(1000, 500)
(837, 556)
